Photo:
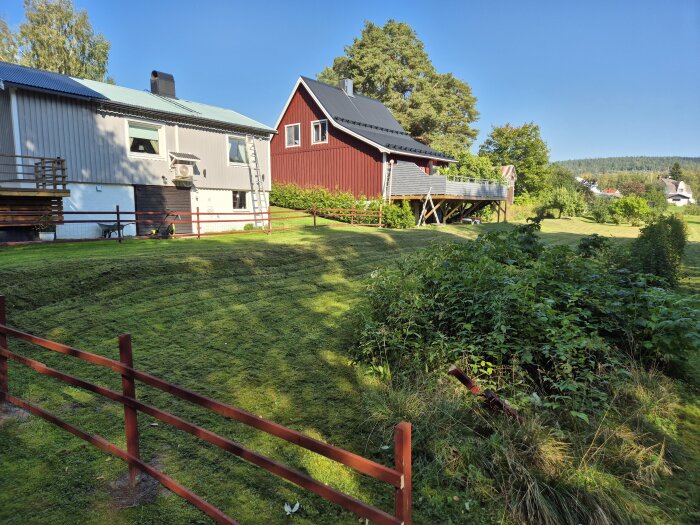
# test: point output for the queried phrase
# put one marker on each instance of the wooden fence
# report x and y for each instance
(398, 477)
(113, 222)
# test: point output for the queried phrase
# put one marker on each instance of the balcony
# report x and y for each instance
(27, 176)
(408, 180)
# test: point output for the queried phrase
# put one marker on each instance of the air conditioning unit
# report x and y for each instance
(183, 172)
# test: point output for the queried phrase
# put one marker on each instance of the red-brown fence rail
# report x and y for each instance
(398, 477)
(111, 223)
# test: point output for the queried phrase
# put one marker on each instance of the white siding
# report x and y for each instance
(94, 145)
(96, 197)
(219, 201)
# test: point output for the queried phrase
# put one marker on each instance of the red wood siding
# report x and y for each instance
(344, 163)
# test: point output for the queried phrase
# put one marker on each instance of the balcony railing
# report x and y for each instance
(37, 173)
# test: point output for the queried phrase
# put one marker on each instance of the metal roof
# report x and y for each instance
(183, 156)
(368, 118)
(104, 93)
(21, 76)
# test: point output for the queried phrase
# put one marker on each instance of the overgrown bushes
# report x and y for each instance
(296, 198)
(562, 336)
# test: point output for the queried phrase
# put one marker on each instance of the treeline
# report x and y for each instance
(617, 164)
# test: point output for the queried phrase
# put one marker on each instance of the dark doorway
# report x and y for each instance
(162, 199)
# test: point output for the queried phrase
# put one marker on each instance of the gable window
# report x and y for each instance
(319, 132)
(239, 200)
(145, 139)
(237, 151)
(292, 135)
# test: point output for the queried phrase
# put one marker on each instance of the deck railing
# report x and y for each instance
(398, 477)
(28, 172)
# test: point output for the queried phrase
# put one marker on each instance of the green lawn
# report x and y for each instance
(259, 322)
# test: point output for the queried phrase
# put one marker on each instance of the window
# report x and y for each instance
(292, 135)
(144, 139)
(319, 131)
(237, 151)
(239, 200)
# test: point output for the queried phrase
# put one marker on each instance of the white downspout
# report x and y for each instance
(391, 171)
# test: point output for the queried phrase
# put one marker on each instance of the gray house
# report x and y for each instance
(90, 146)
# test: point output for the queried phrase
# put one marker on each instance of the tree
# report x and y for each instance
(524, 148)
(8, 43)
(57, 38)
(474, 166)
(676, 173)
(566, 201)
(390, 64)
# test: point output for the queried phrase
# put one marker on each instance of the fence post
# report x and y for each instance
(269, 220)
(119, 225)
(314, 212)
(352, 214)
(381, 208)
(130, 415)
(199, 231)
(3, 360)
(402, 453)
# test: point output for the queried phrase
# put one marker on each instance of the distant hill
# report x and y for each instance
(634, 164)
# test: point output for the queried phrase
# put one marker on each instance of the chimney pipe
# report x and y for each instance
(162, 84)
(346, 85)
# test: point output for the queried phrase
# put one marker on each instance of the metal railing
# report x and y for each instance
(465, 178)
(28, 172)
(398, 477)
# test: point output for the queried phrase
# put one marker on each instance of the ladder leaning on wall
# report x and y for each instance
(257, 182)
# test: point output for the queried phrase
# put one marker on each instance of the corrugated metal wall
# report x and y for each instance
(344, 163)
(7, 145)
(95, 145)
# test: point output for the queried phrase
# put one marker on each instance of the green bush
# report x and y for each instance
(296, 198)
(631, 208)
(568, 202)
(659, 248)
(600, 210)
(400, 217)
(560, 324)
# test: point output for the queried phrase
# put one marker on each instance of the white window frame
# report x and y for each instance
(228, 160)
(162, 147)
(286, 142)
(313, 124)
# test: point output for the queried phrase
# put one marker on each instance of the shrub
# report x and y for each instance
(659, 248)
(558, 323)
(400, 217)
(296, 198)
(631, 208)
(593, 245)
(600, 210)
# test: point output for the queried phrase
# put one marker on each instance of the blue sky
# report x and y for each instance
(601, 78)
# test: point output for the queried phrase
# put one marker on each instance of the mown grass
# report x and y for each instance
(259, 322)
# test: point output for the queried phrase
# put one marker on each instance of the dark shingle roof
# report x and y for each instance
(368, 118)
(14, 74)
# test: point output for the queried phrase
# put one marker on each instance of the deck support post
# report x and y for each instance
(402, 454)
(4, 383)
(119, 225)
(130, 414)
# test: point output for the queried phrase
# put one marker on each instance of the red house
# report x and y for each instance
(329, 136)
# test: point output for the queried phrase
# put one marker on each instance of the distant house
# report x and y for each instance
(677, 192)
(611, 192)
(145, 151)
(331, 137)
